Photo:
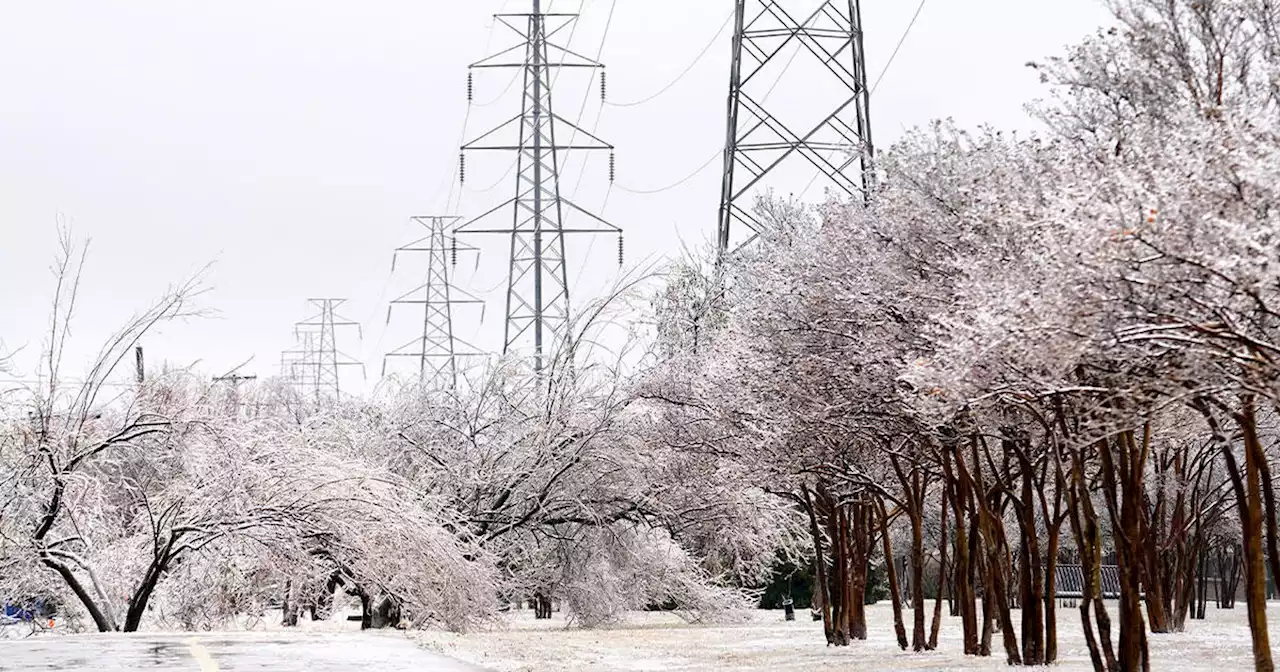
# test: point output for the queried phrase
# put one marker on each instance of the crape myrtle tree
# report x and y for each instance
(1174, 120)
(1065, 335)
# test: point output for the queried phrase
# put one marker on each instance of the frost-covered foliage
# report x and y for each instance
(180, 503)
(1067, 334)
(1018, 353)
(610, 571)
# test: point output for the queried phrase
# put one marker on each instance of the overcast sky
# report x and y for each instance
(287, 142)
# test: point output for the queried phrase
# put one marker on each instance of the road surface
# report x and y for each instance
(212, 652)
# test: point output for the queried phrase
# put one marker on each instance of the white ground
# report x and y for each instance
(650, 641)
(656, 641)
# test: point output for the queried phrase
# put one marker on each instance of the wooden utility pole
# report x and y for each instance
(235, 380)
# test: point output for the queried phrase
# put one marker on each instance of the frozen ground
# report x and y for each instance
(651, 641)
(647, 641)
(298, 651)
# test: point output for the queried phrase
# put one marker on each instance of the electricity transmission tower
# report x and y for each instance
(537, 307)
(293, 363)
(315, 366)
(436, 350)
(761, 137)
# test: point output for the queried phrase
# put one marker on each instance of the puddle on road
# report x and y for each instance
(162, 653)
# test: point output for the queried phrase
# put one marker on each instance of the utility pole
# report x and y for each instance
(139, 369)
(437, 349)
(538, 307)
(234, 379)
(319, 362)
(761, 138)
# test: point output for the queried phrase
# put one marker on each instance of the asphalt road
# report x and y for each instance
(275, 651)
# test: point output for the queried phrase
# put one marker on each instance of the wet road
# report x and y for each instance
(277, 652)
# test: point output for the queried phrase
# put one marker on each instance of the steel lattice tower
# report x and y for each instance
(760, 140)
(293, 363)
(537, 307)
(437, 349)
(315, 366)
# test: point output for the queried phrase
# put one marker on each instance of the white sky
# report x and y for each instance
(289, 141)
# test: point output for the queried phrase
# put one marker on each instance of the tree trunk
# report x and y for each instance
(1030, 570)
(894, 596)
(101, 617)
(1122, 480)
(997, 562)
(822, 586)
(1252, 517)
(942, 575)
(1050, 591)
(919, 638)
(290, 606)
(142, 594)
(1084, 527)
(859, 557)
(1201, 604)
(964, 568)
(366, 608)
(914, 487)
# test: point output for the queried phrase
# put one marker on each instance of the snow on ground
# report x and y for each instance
(661, 641)
(658, 641)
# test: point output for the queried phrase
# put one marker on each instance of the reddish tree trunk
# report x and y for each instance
(894, 595)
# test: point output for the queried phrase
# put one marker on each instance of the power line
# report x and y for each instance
(498, 98)
(595, 126)
(898, 48)
(496, 184)
(719, 151)
(582, 110)
(592, 243)
(681, 182)
(698, 59)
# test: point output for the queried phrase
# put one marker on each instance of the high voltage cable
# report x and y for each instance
(698, 59)
(590, 246)
(898, 48)
(496, 184)
(499, 97)
(683, 180)
(613, 6)
(720, 152)
(604, 38)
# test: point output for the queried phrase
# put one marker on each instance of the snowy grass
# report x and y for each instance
(661, 641)
(656, 641)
